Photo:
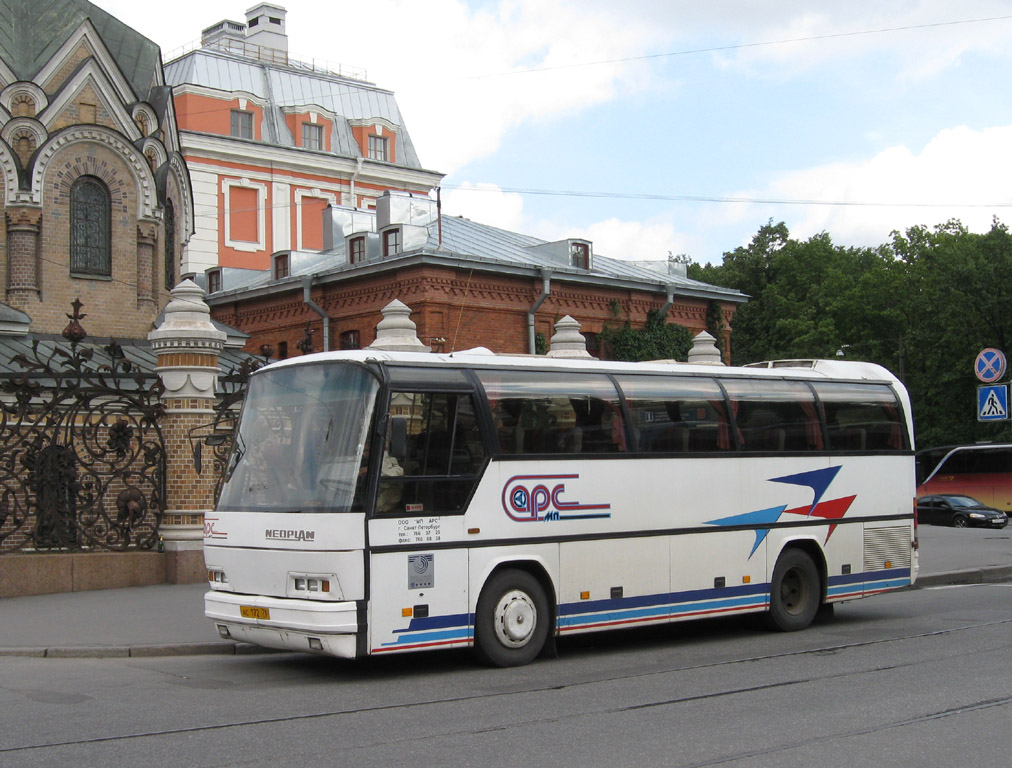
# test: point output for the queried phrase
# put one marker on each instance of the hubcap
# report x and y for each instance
(792, 592)
(515, 619)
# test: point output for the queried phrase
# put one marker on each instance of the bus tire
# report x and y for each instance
(795, 592)
(511, 619)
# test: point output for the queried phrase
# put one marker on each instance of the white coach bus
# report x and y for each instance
(380, 502)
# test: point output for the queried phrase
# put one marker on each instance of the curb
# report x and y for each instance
(138, 651)
(987, 575)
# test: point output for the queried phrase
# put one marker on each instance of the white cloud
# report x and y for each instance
(486, 204)
(961, 173)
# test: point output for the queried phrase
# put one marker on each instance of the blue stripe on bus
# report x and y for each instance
(459, 627)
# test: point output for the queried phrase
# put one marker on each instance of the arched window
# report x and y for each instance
(170, 245)
(90, 228)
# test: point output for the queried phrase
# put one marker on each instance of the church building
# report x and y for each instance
(96, 196)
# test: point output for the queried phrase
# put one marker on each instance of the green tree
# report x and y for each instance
(922, 305)
(956, 283)
(807, 298)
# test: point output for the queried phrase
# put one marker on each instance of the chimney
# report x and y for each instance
(223, 33)
(265, 26)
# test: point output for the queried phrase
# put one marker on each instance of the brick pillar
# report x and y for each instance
(23, 228)
(187, 346)
(147, 238)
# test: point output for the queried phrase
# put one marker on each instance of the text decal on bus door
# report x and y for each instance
(536, 498)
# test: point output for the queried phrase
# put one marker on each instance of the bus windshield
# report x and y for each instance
(301, 443)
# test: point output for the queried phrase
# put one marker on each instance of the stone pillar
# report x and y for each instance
(147, 239)
(567, 340)
(23, 228)
(187, 347)
(397, 331)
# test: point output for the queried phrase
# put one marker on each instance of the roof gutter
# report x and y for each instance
(546, 289)
(307, 283)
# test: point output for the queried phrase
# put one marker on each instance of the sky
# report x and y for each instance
(677, 127)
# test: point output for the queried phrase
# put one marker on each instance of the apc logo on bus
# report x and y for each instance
(537, 498)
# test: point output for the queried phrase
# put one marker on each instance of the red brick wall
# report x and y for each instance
(480, 309)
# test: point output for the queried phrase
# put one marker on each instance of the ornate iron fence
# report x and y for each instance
(229, 397)
(82, 457)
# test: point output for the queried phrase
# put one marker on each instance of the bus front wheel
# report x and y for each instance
(795, 592)
(511, 619)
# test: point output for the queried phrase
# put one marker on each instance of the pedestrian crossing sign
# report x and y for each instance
(992, 402)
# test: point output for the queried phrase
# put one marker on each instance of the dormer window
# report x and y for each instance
(282, 265)
(379, 148)
(312, 136)
(579, 255)
(241, 124)
(391, 242)
(356, 250)
(213, 281)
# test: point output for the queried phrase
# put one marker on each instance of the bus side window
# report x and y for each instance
(775, 416)
(441, 453)
(861, 417)
(676, 414)
(559, 412)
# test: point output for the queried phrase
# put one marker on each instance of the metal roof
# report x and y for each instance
(484, 247)
(282, 86)
(31, 31)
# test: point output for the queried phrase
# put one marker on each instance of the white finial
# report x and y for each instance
(396, 332)
(568, 341)
(704, 350)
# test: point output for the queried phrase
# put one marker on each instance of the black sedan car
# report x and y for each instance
(959, 511)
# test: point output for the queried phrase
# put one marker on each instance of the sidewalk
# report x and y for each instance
(167, 620)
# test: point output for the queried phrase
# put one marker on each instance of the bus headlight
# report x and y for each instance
(216, 577)
(314, 585)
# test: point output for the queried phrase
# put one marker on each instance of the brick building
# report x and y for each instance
(271, 140)
(97, 202)
(467, 284)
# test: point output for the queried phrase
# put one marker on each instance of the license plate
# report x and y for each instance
(253, 612)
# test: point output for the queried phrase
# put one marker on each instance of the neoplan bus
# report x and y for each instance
(380, 502)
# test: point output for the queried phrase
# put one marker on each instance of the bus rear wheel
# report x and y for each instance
(511, 619)
(795, 592)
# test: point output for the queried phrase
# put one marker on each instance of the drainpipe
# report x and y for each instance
(669, 302)
(358, 170)
(307, 283)
(546, 289)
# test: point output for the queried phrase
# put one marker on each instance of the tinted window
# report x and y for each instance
(672, 414)
(539, 412)
(862, 417)
(978, 462)
(433, 454)
(775, 415)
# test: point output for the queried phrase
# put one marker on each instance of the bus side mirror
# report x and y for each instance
(218, 439)
(398, 438)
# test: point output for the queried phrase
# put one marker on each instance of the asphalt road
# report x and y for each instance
(916, 678)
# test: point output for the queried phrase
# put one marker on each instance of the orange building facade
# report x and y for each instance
(271, 141)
